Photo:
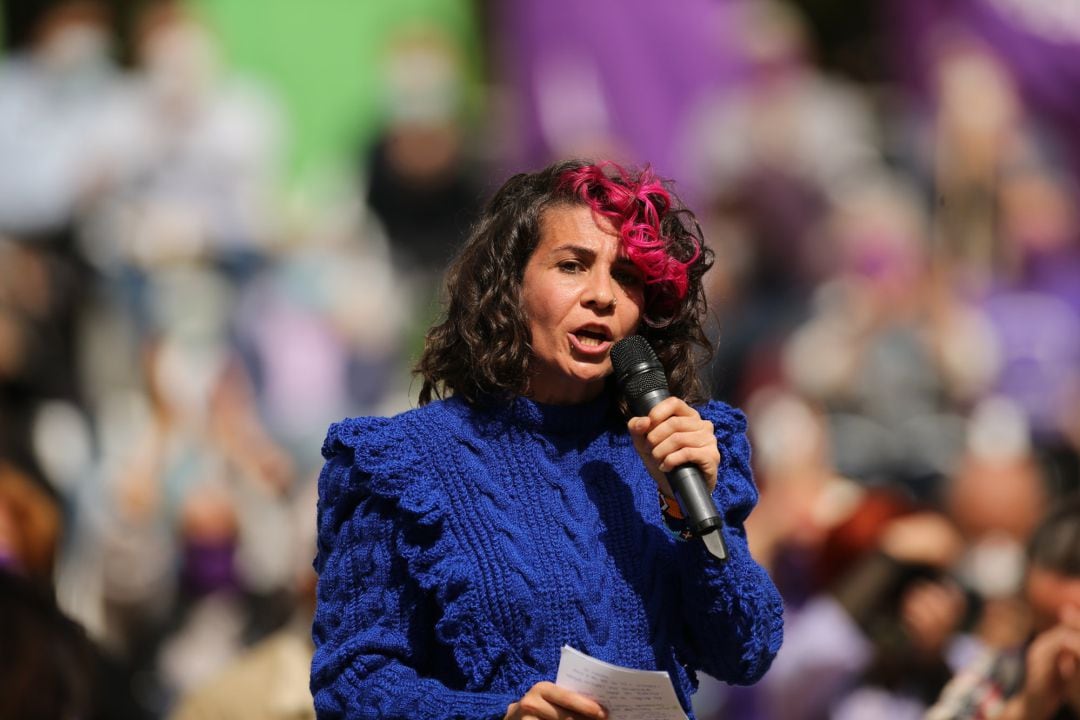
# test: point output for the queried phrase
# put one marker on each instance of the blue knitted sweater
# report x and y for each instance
(461, 547)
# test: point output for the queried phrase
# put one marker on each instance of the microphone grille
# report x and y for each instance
(631, 351)
(645, 382)
(637, 369)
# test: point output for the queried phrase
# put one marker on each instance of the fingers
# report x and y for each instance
(1049, 653)
(1052, 669)
(705, 458)
(673, 434)
(680, 424)
(671, 407)
(548, 701)
(672, 447)
(573, 702)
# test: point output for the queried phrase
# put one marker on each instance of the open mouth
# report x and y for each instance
(591, 338)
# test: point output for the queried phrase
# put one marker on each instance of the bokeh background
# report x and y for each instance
(223, 225)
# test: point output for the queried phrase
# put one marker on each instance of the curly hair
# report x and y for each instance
(481, 349)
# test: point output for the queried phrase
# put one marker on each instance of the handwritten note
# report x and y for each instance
(627, 694)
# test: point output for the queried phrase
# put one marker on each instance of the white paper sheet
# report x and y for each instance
(627, 694)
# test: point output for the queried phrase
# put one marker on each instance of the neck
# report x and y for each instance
(565, 393)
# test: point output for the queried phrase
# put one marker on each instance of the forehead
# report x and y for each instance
(579, 226)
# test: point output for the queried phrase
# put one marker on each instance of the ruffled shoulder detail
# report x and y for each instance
(376, 456)
(404, 461)
(735, 483)
(727, 419)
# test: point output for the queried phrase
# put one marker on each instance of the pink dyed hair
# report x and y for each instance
(636, 205)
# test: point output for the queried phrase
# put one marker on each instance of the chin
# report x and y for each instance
(595, 380)
(593, 376)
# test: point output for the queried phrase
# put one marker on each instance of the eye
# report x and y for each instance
(570, 266)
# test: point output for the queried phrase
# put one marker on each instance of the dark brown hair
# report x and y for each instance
(481, 349)
(1055, 544)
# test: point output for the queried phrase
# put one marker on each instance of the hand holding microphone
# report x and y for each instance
(677, 445)
(674, 434)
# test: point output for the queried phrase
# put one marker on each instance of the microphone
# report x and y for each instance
(643, 383)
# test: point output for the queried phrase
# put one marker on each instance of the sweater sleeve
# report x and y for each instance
(731, 612)
(376, 625)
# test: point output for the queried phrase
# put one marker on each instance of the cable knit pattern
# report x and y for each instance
(461, 547)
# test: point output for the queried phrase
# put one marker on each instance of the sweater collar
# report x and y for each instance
(581, 418)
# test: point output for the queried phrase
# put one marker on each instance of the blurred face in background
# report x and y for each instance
(581, 296)
(73, 37)
(1049, 594)
(996, 503)
(177, 55)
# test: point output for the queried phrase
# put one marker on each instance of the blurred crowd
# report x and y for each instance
(896, 301)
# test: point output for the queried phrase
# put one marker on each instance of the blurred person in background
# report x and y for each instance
(323, 328)
(433, 599)
(870, 608)
(981, 129)
(937, 592)
(1040, 678)
(49, 668)
(54, 89)
(195, 536)
(53, 94)
(1005, 234)
(884, 600)
(784, 120)
(422, 181)
(904, 600)
(188, 559)
(190, 157)
(36, 364)
(962, 592)
(270, 679)
(997, 494)
(892, 358)
(803, 496)
(1034, 310)
(771, 154)
(763, 232)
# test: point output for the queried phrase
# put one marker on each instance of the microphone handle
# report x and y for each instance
(696, 502)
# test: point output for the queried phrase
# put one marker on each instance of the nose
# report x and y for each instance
(599, 293)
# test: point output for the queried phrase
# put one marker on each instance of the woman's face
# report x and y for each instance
(581, 296)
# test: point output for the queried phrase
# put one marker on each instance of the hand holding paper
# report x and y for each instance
(627, 694)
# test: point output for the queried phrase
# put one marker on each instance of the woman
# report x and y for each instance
(462, 544)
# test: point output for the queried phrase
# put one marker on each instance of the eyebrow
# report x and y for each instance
(577, 249)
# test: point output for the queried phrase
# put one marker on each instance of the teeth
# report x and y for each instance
(589, 340)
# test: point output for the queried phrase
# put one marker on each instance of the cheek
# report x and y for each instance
(539, 330)
(630, 316)
(543, 316)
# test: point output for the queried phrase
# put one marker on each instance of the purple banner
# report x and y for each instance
(617, 75)
(1038, 40)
